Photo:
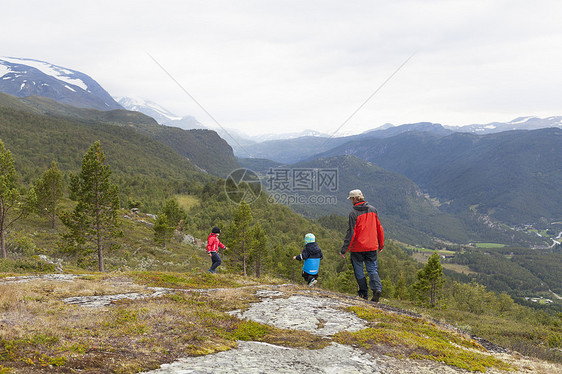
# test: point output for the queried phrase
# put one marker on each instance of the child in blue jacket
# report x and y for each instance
(311, 254)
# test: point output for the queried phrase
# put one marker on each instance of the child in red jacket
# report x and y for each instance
(213, 245)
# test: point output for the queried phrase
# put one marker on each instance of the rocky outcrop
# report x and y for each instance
(290, 307)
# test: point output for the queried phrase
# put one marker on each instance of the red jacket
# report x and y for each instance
(213, 243)
(365, 231)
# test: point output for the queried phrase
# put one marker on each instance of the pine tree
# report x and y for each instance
(162, 230)
(400, 289)
(174, 212)
(430, 280)
(94, 219)
(258, 245)
(49, 192)
(14, 204)
(239, 235)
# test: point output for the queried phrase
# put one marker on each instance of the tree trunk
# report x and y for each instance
(258, 267)
(244, 251)
(3, 242)
(433, 294)
(54, 208)
(100, 254)
(100, 258)
(53, 218)
(2, 231)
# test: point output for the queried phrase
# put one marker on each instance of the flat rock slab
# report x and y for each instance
(104, 300)
(46, 277)
(317, 315)
(258, 358)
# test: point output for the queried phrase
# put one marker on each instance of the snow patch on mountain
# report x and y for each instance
(58, 72)
(4, 70)
(520, 120)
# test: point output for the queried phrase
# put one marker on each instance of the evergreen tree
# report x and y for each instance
(174, 213)
(239, 234)
(14, 204)
(258, 255)
(430, 280)
(162, 230)
(400, 289)
(49, 191)
(94, 219)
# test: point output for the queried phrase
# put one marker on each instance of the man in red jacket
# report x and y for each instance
(213, 245)
(364, 238)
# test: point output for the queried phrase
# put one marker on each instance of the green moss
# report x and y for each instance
(187, 281)
(250, 330)
(78, 348)
(418, 339)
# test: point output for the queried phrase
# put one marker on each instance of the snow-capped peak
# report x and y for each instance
(142, 105)
(520, 120)
(60, 73)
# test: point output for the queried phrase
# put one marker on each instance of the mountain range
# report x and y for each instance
(514, 176)
(431, 181)
(521, 123)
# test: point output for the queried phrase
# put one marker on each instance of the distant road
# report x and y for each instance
(555, 295)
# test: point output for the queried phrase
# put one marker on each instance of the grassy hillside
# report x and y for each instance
(145, 169)
(203, 148)
(521, 272)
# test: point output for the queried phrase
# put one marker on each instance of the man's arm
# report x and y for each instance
(380, 234)
(348, 236)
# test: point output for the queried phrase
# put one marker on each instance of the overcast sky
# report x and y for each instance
(283, 66)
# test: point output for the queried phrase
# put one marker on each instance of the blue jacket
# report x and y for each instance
(311, 254)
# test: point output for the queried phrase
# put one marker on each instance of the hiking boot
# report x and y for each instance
(363, 296)
(312, 283)
(376, 296)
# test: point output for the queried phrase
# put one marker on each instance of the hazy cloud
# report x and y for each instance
(267, 66)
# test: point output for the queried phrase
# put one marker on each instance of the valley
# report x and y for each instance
(488, 202)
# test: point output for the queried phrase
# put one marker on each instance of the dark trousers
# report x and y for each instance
(308, 277)
(370, 261)
(216, 261)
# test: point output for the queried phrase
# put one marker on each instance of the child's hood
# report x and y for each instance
(313, 248)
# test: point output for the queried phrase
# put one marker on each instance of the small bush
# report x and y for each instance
(25, 265)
